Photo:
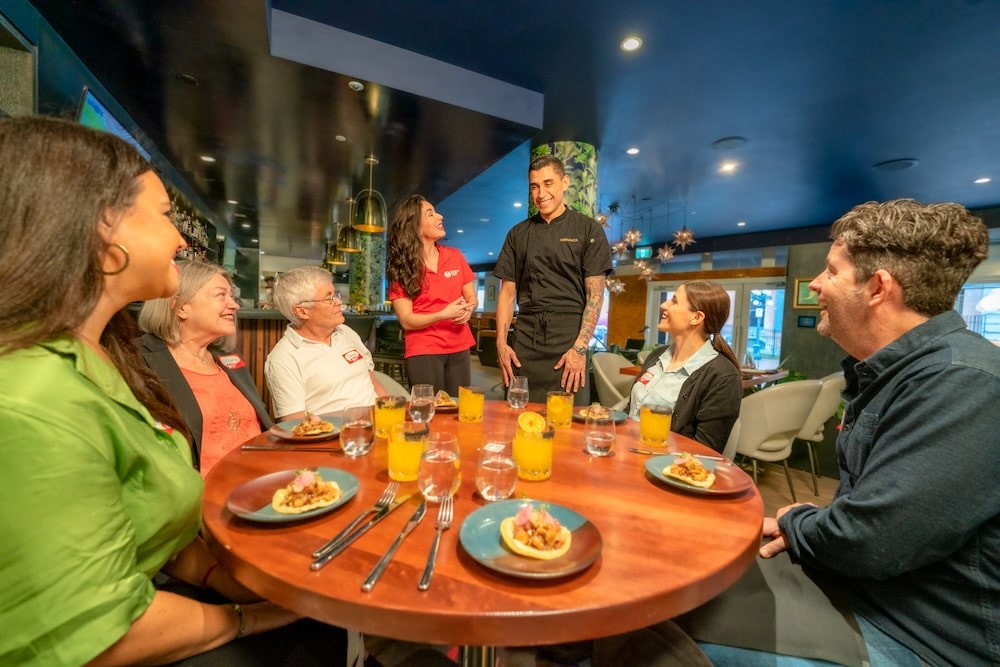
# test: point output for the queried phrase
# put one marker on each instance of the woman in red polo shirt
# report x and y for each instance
(433, 292)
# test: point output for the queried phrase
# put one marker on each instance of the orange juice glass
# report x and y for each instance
(654, 423)
(559, 409)
(389, 411)
(470, 404)
(406, 442)
(533, 454)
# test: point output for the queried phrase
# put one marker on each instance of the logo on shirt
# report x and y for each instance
(452, 273)
(566, 239)
(232, 361)
(646, 377)
(163, 427)
(353, 355)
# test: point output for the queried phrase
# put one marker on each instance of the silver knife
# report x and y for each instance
(343, 544)
(289, 448)
(381, 564)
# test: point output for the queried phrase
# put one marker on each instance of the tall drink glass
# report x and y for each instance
(496, 472)
(559, 409)
(654, 423)
(422, 403)
(406, 442)
(356, 431)
(517, 393)
(533, 454)
(440, 469)
(389, 411)
(470, 404)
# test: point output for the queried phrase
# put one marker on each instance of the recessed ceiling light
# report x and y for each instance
(490, 253)
(728, 167)
(340, 137)
(741, 223)
(232, 201)
(253, 240)
(631, 43)
(984, 179)
(632, 151)
(207, 158)
(459, 231)
(517, 204)
(356, 86)
(484, 219)
(245, 225)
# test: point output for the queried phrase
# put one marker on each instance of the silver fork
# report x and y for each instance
(443, 523)
(388, 494)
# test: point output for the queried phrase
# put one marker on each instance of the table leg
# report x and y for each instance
(476, 656)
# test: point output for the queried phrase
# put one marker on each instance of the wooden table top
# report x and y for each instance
(665, 551)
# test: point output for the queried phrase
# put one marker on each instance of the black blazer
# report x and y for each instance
(156, 355)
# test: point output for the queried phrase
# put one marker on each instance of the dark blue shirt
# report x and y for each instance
(913, 532)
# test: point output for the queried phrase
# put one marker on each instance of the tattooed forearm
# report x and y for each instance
(592, 309)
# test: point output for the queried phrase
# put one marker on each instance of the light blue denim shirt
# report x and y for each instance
(663, 385)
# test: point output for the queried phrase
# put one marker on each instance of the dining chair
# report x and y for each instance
(612, 386)
(391, 385)
(729, 451)
(641, 357)
(771, 419)
(815, 427)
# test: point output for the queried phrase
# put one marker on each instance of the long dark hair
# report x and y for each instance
(406, 247)
(711, 299)
(60, 181)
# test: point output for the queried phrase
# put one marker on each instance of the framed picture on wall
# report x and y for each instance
(804, 297)
(491, 293)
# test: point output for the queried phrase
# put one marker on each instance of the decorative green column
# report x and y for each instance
(580, 160)
(367, 279)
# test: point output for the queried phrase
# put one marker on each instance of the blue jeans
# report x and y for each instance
(883, 651)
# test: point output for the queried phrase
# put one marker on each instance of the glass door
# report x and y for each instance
(753, 329)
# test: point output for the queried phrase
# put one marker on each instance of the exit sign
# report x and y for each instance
(643, 253)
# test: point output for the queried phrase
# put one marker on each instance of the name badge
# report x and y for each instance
(232, 361)
(646, 377)
(163, 427)
(353, 355)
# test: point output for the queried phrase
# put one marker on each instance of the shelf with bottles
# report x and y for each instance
(199, 235)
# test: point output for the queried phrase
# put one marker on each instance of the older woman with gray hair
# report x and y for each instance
(318, 365)
(188, 342)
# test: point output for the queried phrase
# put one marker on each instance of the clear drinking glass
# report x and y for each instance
(517, 393)
(559, 409)
(470, 404)
(357, 432)
(496, 472)
(406, 442)
(389, 411)
(599, 431)
(422, 403)
(533, 454)
(440, 468)
(654, 423)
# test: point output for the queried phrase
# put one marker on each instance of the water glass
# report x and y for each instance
(654, 423)
(422, 403)
(356, 430)
(440, 469)
(533, 454)
(496, 472)
(599, 431)
(517, 393)
(470, 404)
(406, 442)
(389, 411)
(559, 409)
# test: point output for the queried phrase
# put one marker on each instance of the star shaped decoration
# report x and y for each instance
(602, 219)
(633, 236)
(620, 248)
(640, 265)
(647, 273)
(666, 253)
(683, 237)
(615, 286)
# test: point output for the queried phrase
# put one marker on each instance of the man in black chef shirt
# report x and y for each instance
(555, 264)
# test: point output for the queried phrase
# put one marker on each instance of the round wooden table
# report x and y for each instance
(664, 551)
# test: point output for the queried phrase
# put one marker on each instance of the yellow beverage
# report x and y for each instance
(406, 442)
(389, 411)
(654, 424)
(533, 454)
(559, 409)
(470, 404)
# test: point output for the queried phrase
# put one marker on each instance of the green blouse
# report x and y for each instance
(96, 497)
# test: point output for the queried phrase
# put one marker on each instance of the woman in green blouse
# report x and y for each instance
(98, 489)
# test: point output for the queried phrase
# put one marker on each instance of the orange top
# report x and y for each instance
(228, 419)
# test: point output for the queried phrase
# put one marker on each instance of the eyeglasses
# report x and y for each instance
(329, 300)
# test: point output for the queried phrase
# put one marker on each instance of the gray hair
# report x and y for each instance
(298, 285)
(159, 316)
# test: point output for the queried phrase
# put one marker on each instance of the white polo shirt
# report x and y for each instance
(304, 374)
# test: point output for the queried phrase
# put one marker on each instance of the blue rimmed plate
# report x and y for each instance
(729, 479)
(252, 501)
(284, 430)
(580, 415)
(480, 537)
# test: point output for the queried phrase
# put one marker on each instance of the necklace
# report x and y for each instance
(200, 360)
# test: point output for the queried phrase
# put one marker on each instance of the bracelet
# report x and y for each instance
(238, 608)
(208, 573)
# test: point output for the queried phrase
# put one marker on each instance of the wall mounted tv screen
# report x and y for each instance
(93, 113)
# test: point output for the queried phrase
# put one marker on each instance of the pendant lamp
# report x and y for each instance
(334, 255)
(348, 241)
(369, 214)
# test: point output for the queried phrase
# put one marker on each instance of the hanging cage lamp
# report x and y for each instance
(348, 240)
(369, 214)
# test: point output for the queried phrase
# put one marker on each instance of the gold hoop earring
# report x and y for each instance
(128, 259)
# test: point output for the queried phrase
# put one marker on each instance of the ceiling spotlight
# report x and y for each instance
(741, 223)
(490, 253)
(631, 43)
(728, 167)
(356, 86)
(484, 219)
(340, 137)
(245, 225)
(232, 201)
(517, 204)
(632, 151)
(459, 231)
(253, 240)
(984, 179)
(207, 158)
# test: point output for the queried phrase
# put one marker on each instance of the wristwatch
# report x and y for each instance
(580, 349)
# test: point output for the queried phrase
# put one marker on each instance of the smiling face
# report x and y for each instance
(146, 230)
(842, 299)
(548, 189)
(431, 222)
(676, 314)
(211, 313)
(321, 314)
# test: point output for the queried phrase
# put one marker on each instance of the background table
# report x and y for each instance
(665, 551)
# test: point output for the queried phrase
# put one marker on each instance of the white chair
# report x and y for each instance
(825, 407)
(641, 357)
(612, 386)
(729, 451)
(391, 386)
(771, 419)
